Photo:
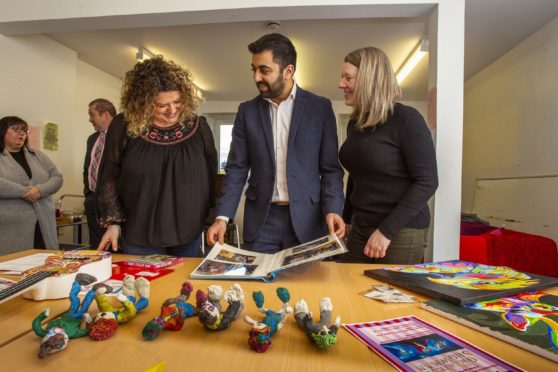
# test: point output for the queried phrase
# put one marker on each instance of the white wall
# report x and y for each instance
(43, 81)
(510, 116)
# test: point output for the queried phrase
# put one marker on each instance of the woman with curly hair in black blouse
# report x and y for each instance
(157, 177)
(390, 156)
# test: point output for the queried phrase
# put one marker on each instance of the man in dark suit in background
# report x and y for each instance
(286, 140)
(101, 112)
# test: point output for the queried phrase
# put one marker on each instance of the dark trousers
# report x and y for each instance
(38, 241)
(96, 232)
(406, 248)
(190, 249)
(277, 232)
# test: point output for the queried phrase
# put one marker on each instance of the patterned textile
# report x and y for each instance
(96, 160)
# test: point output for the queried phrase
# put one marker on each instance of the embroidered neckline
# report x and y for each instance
(171, 135)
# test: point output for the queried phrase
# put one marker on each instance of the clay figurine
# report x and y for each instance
(129, 305)
(260, 334)
(73, 324)
(174, 312)
(321, 334)
(209, 309)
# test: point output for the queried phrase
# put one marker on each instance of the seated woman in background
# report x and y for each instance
(27, 180)
(391, 160)
(157, 176)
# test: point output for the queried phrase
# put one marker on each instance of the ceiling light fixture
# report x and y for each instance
(143, 53)
(273, 26)
(412, 61)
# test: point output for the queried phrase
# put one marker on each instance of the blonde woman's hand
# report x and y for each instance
(377, 245)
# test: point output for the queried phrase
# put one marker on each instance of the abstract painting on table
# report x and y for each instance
(461, 282)
(528, 320)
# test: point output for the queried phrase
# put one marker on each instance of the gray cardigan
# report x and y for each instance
(17, 216)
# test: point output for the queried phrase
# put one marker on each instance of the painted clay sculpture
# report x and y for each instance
(174, 312)
(73, 324)
(322, 334)
(260, 334)
(129, 306)
(209, 308)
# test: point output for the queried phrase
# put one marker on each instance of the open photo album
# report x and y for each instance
(227, 262)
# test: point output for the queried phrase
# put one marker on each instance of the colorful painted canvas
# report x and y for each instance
(411, 344)
(528, 320)
(461, 282)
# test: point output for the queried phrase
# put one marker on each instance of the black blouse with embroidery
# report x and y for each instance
(159, 186)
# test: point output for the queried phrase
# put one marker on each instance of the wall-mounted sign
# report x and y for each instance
(50, 139)
(34, 136)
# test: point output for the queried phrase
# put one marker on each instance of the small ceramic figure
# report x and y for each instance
(209, 306)
(174, 312)
(261, 332)
(321, 334)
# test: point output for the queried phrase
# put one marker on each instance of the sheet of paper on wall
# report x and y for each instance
(386, 293)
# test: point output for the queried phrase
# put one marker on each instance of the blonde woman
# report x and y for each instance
(157, 177)
(390, 157)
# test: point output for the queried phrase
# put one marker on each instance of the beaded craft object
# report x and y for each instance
(174, 312)
(209, 306)
(260, 334)
(321, 334)
(73, 324)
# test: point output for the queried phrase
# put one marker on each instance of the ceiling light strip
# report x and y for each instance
(412, 61)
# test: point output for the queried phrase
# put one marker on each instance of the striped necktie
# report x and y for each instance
(96, 160)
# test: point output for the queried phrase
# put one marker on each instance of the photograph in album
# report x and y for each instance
(227, 262)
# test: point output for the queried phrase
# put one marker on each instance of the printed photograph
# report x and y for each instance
(420, 347)
(229, 256)
(210, 267)
(311, 244)
(307, 254)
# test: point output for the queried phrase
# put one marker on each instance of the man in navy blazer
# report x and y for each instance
(284, 141)
(101, 112)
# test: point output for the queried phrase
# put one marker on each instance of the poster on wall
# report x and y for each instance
(50, 139)
(34, 136)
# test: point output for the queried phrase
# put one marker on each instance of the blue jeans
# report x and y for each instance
(190, 249)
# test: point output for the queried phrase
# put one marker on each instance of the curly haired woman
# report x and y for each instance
(157, 178)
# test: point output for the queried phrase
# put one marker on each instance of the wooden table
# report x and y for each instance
(16, 314)
(196, 349)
